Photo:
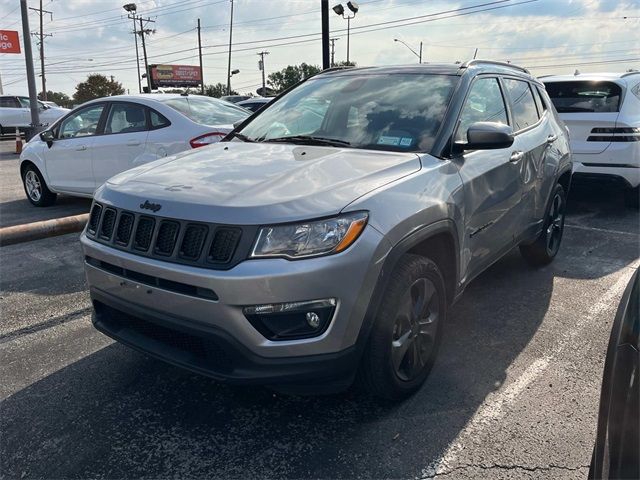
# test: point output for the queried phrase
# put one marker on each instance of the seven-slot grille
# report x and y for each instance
(208, 245)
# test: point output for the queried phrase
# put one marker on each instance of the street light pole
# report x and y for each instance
(230, 40)
(419, 55)
(340, 10)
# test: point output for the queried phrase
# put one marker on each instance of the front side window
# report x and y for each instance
(208, 111)
(126, 118)
(484, 103)
(398, 112)
(584, 96)
(82, 123)
(524, 112)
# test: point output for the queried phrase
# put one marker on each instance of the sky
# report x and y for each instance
(546, 36)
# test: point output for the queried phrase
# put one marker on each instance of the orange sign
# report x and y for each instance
(9, 41)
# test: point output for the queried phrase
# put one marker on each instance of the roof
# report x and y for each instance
(593, 77)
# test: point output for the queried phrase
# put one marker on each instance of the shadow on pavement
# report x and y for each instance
(17, 212)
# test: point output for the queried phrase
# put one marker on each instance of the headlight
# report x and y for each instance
(309, 239)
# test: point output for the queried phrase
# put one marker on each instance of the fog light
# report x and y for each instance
(293, 320)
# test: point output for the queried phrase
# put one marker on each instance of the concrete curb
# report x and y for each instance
(43, 229)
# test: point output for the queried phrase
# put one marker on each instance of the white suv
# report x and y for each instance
(602, 112)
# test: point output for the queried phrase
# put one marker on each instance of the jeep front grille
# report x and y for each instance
(201, 244)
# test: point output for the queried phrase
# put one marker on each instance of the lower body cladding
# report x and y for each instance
(265, 321)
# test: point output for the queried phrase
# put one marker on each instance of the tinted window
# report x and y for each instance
(126, 118)
(483, 104)
(158, 120)
(584, 96)
(8, 102)
(208, 111)
(522, 103)
(401, 112)
(82, 123)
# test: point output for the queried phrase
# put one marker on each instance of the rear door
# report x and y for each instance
(123, 143)
(68, 161)
(590, 110)
(534, 135)
(491, 179)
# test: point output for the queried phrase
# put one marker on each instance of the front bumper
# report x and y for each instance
(214, 336)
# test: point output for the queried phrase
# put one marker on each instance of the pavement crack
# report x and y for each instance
(52, 322)
(499, 466)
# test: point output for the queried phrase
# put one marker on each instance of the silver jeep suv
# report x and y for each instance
(325, 239)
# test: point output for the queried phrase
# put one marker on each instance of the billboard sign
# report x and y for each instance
(175, 76)
(9, 41)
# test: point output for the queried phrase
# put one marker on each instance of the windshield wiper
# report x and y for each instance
(310, 140)
(242, 137)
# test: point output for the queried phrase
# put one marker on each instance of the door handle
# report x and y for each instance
(552, 138)
(80, 148)
(516, 156)
(133, 143)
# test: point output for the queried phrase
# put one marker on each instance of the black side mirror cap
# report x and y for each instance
(486, 136)
(48, 137)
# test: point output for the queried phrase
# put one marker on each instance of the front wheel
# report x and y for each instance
(36, 189)
(406, 334)
(546, 246)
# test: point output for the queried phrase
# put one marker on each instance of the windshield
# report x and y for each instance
(207, 111)
(398, 112)
(584, 96)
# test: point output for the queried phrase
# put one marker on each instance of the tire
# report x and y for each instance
(385, 371)
(544, 249)
(35, 187)
(632, 197)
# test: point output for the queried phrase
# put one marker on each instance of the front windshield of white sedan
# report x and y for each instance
(399, 112)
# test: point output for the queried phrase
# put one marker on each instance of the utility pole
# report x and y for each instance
(420, 57)
(333, 50)
(230, 40)
(324, 6)
(135, 35)
(145, 31)
(200, 55)
(28, 58)
(42, 35)
(261, 65)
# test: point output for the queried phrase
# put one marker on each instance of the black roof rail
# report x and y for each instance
(626, 74)
(468, 63)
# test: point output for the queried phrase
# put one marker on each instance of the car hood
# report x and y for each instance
(256, 183)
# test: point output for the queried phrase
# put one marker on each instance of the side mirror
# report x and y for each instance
(486, 136)
(48, 137)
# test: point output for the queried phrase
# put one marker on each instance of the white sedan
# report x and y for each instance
(107, 136)
(16, 112)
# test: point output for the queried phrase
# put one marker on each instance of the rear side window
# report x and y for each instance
(9, 102)
(158, 120)
(524, 112)
(584, 96)
(126, 118)
(483, 104)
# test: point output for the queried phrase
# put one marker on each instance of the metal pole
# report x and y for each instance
(475, 54)
(44, 82)
(28, 58)
(144, 52)
(230, 41)
(348, 31)
(200, 55)
(324, 5)
(135, 36)
(333, 51)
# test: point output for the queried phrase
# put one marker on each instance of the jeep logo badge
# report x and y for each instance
(154, 207)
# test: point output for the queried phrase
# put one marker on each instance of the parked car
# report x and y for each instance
(616, 453)
(602, 111)
(15, 112)
(301, 254)
(50, 103)
(235, 98)
(254, 104)
(110, 135)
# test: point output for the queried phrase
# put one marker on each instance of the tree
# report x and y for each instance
(61, 99)
(218, 90)
(97, 86)
(290, 75)
(344, 63)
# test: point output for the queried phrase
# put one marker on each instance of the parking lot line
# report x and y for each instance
(494, 408)
(596, 229)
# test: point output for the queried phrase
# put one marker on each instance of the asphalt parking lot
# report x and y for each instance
(514, 394)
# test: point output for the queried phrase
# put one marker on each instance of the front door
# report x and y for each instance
(491, 182)
(68, 161)
(122, 146)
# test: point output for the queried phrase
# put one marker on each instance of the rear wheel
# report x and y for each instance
(35, 187)
(632, 197)
(546, 246)
(406, 334)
